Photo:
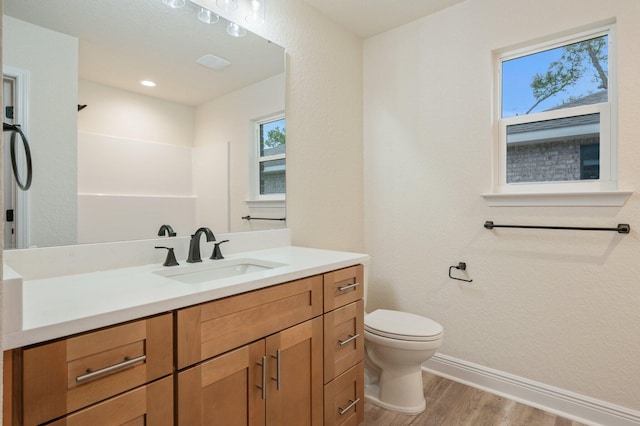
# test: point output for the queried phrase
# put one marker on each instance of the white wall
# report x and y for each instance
(134, 165)
(228, 120)
(125, 114)
(170, 157)
(557, 307)
(324, 125)
(52, 126)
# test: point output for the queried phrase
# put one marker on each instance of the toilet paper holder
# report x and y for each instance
(461, 266)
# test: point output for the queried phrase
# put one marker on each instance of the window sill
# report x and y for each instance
(562, 199)
(266, 204)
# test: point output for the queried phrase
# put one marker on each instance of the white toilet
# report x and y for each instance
(396, 345)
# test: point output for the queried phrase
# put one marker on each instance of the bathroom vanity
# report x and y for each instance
(280, 345)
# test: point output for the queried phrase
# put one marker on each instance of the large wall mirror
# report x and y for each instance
(113, 160)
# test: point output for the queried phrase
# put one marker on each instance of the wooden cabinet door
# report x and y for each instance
(295, 389)
(224, 390)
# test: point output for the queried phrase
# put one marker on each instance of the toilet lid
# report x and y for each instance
(402, 325)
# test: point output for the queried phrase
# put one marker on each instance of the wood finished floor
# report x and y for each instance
(453, 404)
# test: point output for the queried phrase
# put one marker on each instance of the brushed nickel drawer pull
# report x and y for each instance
(350, 339)
(277, 378)
(348, 287)
(352, 404)
(263, 387)
(111, 369)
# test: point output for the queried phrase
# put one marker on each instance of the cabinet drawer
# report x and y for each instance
(343, 286)
(343, 339)
(209, 329)
(344, 398)
(70, 374)
(147, 405)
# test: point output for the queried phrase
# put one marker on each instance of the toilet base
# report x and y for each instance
(403, 395)
(372, 393)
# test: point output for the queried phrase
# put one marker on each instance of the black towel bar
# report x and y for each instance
(622, 228)
(263, 218)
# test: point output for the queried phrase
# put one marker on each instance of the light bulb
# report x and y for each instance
(207, 16)
(227, 5)
(256, 12)
(235, 30)
(174, 4)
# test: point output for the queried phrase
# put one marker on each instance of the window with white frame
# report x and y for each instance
(270, 159)
(555, 112)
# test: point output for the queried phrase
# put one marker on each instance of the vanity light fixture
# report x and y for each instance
(235, 30)
(207, 16)
(148, 83)
(252, 10)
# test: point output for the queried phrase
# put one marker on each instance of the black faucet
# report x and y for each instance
(166, 230)
(194, 245)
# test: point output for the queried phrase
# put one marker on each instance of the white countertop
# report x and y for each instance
(61, 306)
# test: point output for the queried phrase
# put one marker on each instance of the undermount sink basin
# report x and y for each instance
(217, 269)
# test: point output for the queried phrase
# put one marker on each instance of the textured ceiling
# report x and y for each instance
(369, 17)
(123, 42)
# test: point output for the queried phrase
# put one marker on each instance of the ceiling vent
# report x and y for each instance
(212, 61)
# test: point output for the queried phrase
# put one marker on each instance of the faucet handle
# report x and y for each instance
(171, 257)
(217, 253)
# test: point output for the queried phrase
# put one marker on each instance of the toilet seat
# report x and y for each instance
(402, 326)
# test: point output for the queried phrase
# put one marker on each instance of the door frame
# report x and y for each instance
(21, 116)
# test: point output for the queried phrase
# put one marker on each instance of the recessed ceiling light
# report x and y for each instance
(148, 83)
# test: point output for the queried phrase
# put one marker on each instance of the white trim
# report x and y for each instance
(558, 199)
(548, 135)
(96, 194)
(21, 87)
(554, 43)
(266, 204)
(561, 402)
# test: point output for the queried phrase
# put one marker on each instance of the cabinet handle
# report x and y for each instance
(350, 339)
(277, 378)
(348, 287)
(352, 404)
(262, 387)
(111, 369)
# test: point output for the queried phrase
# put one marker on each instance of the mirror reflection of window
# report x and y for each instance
(271, 159)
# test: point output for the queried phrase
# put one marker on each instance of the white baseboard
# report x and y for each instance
(561, 402)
